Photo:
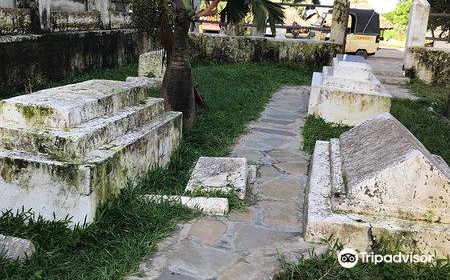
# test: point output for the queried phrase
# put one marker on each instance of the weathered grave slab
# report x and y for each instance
(151, 64)
(68, 162)
(16, 248)
(219, 173)
(208, 205)
(375, 183)
(347, 93)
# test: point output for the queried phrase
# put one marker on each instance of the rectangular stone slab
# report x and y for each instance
(78, 141)
(70, 105)
(151, 64)
(77, 187)
(219, 173)
(208, 205)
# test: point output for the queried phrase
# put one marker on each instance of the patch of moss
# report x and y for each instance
(32, 113)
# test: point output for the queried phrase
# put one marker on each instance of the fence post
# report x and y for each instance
(104, 8)
(196, 26)
(44, 15)
(339, 21)
(417, 29)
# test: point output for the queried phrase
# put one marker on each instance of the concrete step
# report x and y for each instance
(394, 80)
(388, 72)
(76, 142)
(65, 187)
(71, 105)
(329, 79)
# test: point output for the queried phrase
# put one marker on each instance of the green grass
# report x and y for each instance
(327, 267)
(127, 228)
(422, 117)
(318, 129)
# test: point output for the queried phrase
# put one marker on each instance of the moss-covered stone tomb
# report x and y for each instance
(64, 150)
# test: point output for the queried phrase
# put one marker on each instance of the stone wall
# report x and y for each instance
(221, 48)
(431, 65)
(32, 60)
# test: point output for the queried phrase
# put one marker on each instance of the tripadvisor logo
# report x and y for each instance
(348, 258)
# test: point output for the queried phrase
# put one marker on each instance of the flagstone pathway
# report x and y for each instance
(245, 245)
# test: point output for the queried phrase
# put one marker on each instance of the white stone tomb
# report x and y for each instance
(347, 93)
(377, 183)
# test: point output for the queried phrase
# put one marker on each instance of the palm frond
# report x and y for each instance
(235, 11)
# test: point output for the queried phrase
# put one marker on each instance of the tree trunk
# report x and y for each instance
(177, 88)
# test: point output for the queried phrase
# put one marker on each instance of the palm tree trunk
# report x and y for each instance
(177, 88)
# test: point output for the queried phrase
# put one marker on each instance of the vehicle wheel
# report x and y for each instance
(362, 53)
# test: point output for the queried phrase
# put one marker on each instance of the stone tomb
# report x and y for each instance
(347, 93)
(65, 150)
(378, 183)
(219, 173)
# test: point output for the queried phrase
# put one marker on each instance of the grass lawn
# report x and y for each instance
(127, 228)
(327, 267)
(422, 117)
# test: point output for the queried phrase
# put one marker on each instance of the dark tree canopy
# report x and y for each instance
(440, 25)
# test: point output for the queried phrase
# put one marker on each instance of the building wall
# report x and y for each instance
(29, 61)
(431, 65)
(222, 48)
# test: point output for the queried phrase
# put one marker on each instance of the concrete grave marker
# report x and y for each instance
(378, 182)
(151, 64)
(218, 173)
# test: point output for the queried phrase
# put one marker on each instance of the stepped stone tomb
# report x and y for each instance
(151, 65)
(376, 184)
(347, 93)
(64, 150)
(220, 173)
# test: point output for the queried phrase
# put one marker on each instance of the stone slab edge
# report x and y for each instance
(208, 205)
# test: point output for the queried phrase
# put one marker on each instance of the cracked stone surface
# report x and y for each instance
(245, 245)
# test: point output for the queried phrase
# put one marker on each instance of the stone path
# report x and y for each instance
(244, 245)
